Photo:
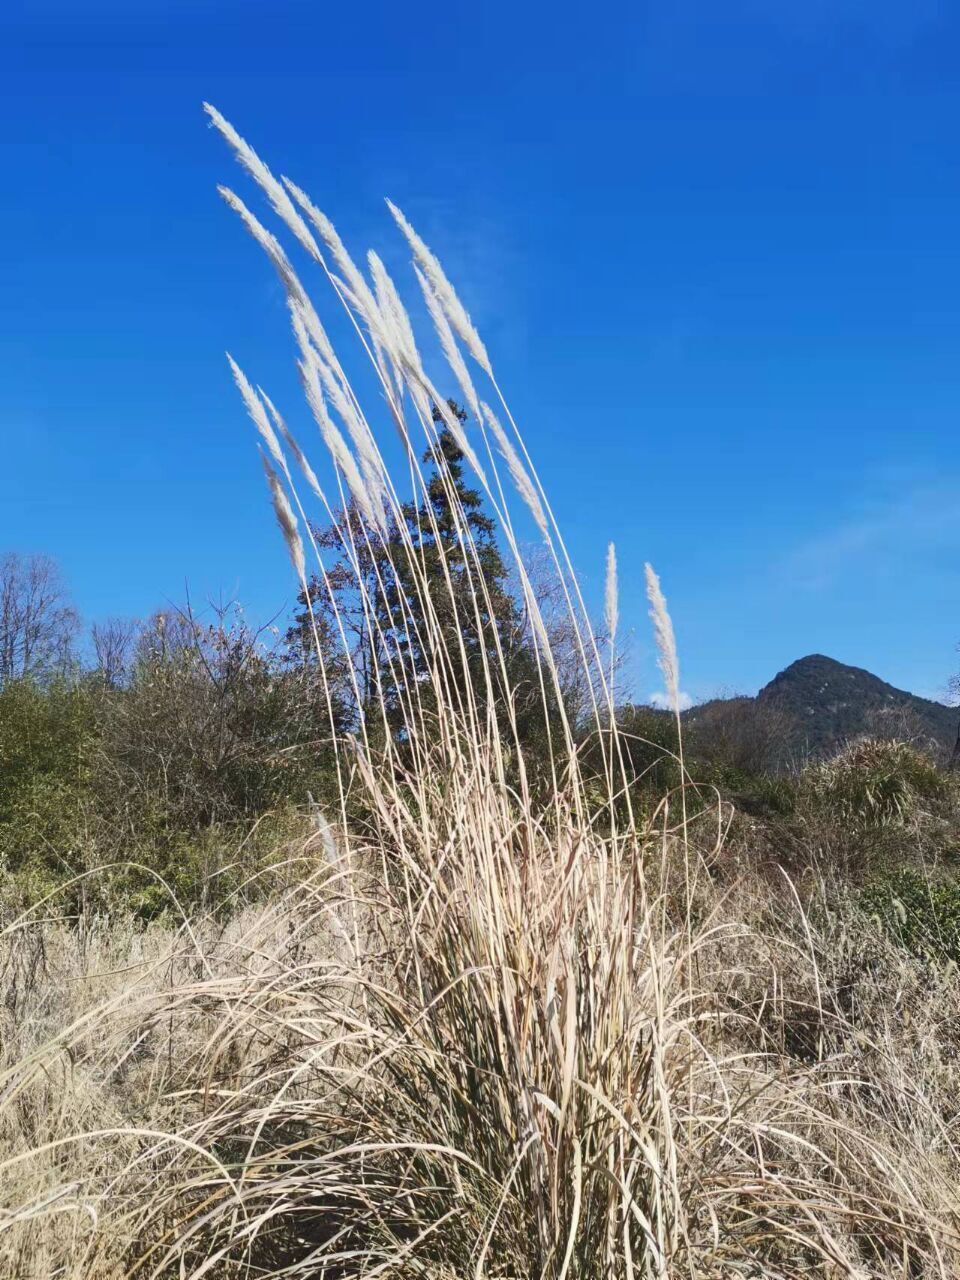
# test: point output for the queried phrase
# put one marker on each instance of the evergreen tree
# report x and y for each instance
(445, 552)
(455, 562)
(352, 646)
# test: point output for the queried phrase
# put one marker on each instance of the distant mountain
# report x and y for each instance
(829, 703)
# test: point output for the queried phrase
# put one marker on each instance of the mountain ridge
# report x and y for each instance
(831, 702)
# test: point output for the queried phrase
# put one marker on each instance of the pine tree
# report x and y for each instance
(456, 563)
(470, 634)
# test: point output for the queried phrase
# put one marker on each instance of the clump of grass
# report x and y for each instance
(501, 1032)
(875, 783)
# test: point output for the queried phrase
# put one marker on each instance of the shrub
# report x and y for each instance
(193, 766)
(47, 742)
(650, 747)
(874, 783)
(737, 737)
(210, 729)
(921, 911)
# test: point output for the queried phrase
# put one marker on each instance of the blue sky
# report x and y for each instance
(713, 250)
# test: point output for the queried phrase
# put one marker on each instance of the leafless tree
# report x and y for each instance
(37, 621)
(741, 733)
(954, 689)
(580, 683)
(902, 724)
(114, 641)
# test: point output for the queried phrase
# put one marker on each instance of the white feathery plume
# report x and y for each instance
(611, 594)
(256, 411)
(267, 241)
(297, 296)
(453, 425)
(325, 831)
(361, 297)
(448, 343)
(279, 194)
(394, 314)
(332, 438)
(370, 461)
(666, 642)
(451, 304)
(421, 401)
(425, 396)
(292, 444)
(318, 335)
(539, 628)
(380, 343)
(305, 320)
(265, 179)
(286, 519)
(518, 472)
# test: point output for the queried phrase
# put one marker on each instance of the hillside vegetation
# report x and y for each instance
(528, 983)
(831, 704)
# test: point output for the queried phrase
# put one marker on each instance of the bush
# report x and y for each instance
(741, 738)
(872, 784)
(208, 738)
(649, 743)
(210, 729)
(919, 911)
(47, 743)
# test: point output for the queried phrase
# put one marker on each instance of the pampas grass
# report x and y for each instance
(444, 290)
(287, 521)
(488, 1031)
(518, 473)
(611, 595)
(668, 662)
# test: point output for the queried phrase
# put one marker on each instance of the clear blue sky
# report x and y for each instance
(713, 249)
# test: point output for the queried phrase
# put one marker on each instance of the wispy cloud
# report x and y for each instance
(884, 538)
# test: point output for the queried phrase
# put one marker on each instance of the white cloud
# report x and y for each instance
(661, 701)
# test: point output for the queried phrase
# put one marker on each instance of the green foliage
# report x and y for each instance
(444, 550)
(47, 741)
(650, 747)
(772, 795)
(210, 730)
(447, 554)
(874, 783)
(921, 912)
(216, 869)
(189, 773)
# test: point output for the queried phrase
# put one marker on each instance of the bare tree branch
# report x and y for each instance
(37, 621)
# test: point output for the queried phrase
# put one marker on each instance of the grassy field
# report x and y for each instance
(505, 1014)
